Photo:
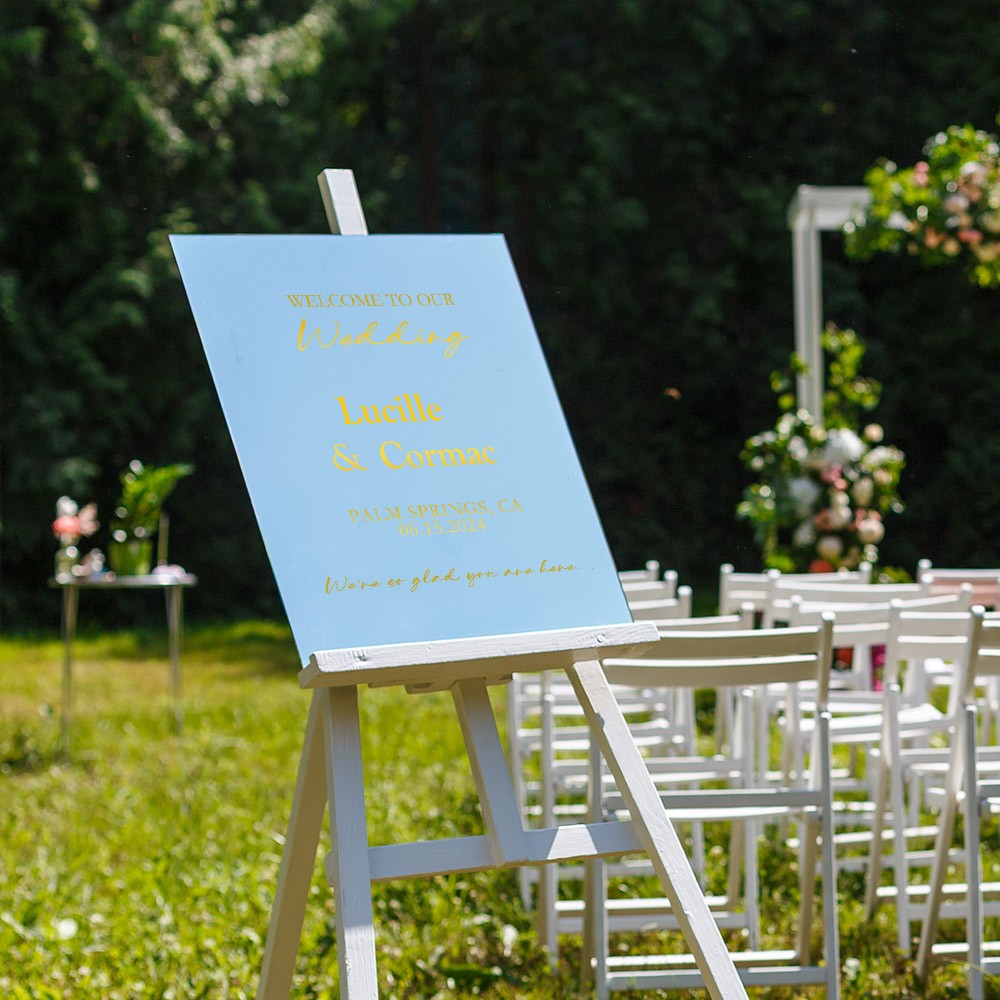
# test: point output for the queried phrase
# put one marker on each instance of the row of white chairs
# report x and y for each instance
(559, 775)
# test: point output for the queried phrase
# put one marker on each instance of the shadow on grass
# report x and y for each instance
(267, 645)
(26, 750)
(256, 646)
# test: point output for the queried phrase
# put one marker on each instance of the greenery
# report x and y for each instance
(145, 488)
(141, 864)
(940, 210)
(640, 164)
(822, 490)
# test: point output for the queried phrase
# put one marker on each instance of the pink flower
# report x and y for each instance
(933, 238)
(921, 171)
(66, 524)
(971, 236)
(825, 520)
(72, 523)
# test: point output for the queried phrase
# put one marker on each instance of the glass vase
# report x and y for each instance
(67, 557)
(133, 557)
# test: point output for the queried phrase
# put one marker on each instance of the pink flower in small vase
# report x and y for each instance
(66, 527)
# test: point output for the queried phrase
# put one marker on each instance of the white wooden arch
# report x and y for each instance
(811, 211)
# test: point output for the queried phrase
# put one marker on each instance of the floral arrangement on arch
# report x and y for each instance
(821, 493)
(944, 208)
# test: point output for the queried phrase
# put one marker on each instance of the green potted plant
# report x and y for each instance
(137, 514)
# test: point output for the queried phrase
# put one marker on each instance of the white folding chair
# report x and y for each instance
(558, 745)
(985, 585)
(784, 590)
(739, 588)
(747, 660)
(546, 730)
(915, 733)
(858, 716)
(971, 780)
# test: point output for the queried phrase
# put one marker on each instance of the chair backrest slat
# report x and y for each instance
(651, 588)
(729, 659)
(661, 607)
(651, 571)
(736, 588)
(783, 590)
(984, 582)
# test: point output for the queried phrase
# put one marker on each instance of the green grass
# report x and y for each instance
(142, 864)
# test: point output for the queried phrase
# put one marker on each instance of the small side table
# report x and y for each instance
(172, 585)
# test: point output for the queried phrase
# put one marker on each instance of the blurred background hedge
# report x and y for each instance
(639, 156)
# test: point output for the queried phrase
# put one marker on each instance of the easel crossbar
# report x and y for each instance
(469, 854)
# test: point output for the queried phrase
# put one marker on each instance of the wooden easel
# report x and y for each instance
(330, 771)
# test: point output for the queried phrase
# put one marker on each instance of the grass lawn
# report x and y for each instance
(142, 864)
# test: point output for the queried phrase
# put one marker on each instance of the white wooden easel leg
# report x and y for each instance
(655, 830)
(297, 864)
(348, 864)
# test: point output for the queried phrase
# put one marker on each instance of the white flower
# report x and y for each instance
(871, 531)
(863, 491)
(955, 203)
(829, 547)
(805, 535)
(508, 936)
(66, 928)
(798, 449)
(883, 455)
(843, 446)
(838, 517)
(66, 505)
(804, 492)
(785, 424)
(873, 433)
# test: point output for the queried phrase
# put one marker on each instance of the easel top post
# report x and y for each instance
(342, 203)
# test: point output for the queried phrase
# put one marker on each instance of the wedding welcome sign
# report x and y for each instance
(401, 439)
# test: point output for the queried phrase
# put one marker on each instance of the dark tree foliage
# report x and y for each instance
(640, 157)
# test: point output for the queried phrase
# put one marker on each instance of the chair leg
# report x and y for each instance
(828, 868)
(900, 863)
(942, 844)
(751, 883)
(807, 887)
(594, 957)
(975, 930)
(874, 873)
(548, 876)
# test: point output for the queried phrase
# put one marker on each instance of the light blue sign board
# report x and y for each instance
(401, 439)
